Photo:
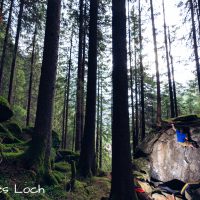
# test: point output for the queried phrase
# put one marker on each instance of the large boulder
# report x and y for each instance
(5, 111)
(169, 160)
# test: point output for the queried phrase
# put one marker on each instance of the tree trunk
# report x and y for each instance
(131, 80)
(13, 66)
(67, 93)
(173, 78)
(79, 82)
(136, 92)
(83, 73)
(3, 56)
(40, 149)
(74, 129)
(31, 78)
(98, 119)
(87, 155)
(168, 67)
(195, 43)
(122, 180)
(101, 128)
(158, 113)
(141, 78)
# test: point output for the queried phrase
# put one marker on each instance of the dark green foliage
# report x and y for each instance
(55, 140)
(60, 177)
(5, 112)
(7, 136)
(15, 129)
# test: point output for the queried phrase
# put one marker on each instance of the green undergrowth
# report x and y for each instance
(93, 189)
(14, 143)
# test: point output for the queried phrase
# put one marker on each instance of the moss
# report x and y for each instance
(185, 118)
(62, 167)
(5, 112)
(60, 177)
(13, 156)
(141, 168)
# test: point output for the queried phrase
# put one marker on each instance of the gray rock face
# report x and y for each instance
(170, 160)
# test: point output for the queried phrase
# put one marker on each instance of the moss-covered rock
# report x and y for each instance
(68, 156)
(5, 112)
(186, 118)
(62, 167)
(141, 168)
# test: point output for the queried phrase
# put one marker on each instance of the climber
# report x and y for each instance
(183, 137)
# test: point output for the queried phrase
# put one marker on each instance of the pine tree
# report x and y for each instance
(158, 117)
(87, 156)
(31, 78)
(39, 152)
(122, 180)
(195, 43)
(168, 66)
(13, 65)
(5, 42)
(141, 77)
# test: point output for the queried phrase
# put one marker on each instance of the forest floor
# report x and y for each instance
(91, 189)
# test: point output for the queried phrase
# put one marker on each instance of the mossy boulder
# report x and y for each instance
(68, 156)
(5, 111)
(62, 167)
(182, 121)
(186, 118)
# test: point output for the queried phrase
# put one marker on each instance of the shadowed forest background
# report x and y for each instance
(84, 84)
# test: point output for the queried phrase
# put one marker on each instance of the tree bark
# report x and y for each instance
(136, 92)
(3, 56)
(13, 66)
(98, 119)
(168, 67)
(195, 43)
(173, 78)
(67, 93)
(131, 80)
(141, 77)
(79, 82)
(40, 149)
(101, 128)
(122, 180)
(31, 78)
(87, 156)
(158, 113)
